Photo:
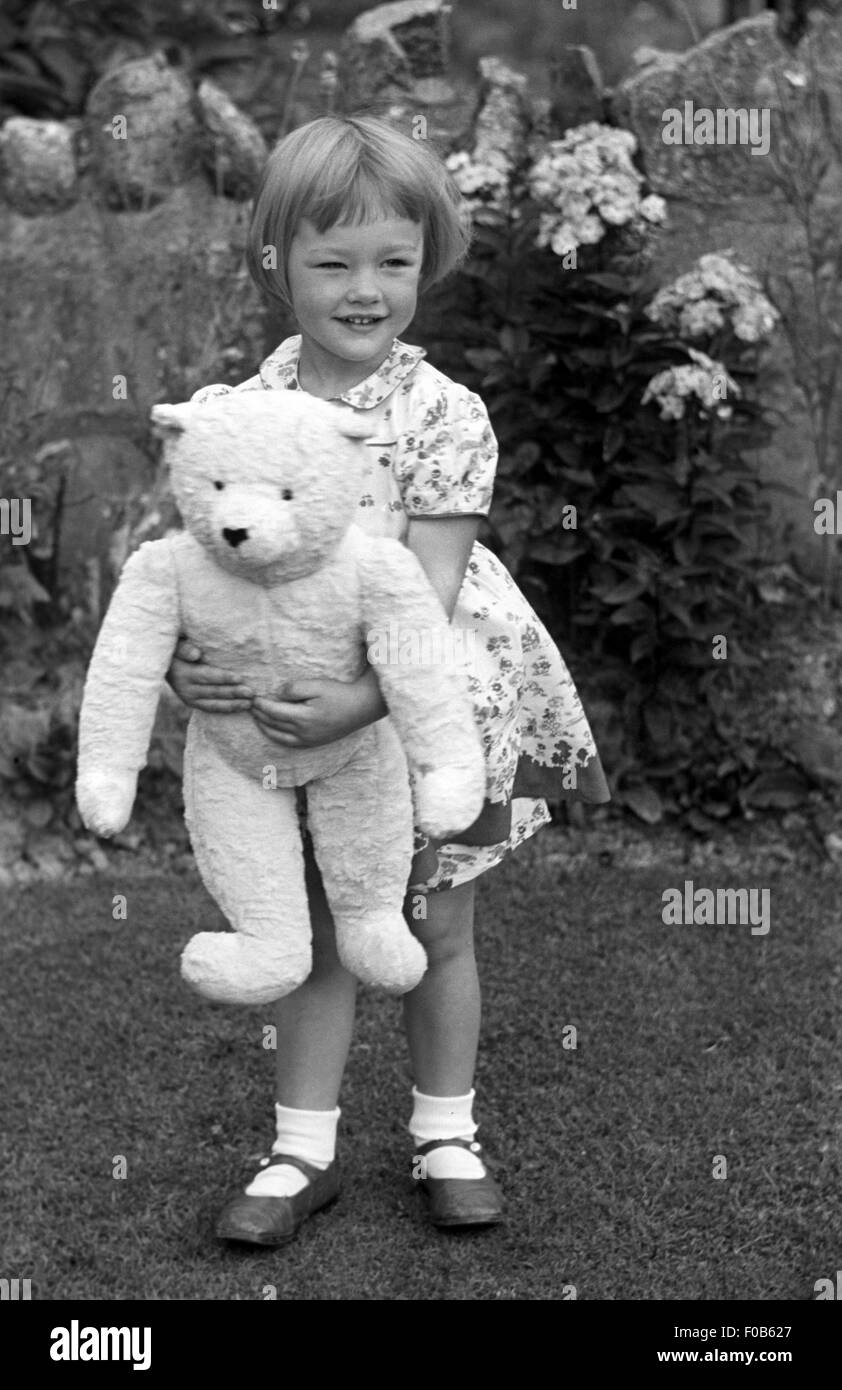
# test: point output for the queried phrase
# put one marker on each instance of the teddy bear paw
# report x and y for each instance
(449, 799)
(233, 968)
(381, 951)
(105, 800)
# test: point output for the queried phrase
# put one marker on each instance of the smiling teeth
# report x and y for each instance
(355, 319)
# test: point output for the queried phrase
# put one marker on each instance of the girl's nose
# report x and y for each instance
(364, 292)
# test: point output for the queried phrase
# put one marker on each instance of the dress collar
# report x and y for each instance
(280, 369)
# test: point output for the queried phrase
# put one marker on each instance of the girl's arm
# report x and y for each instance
(443, 545)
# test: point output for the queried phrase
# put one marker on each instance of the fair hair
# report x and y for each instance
(352, 170)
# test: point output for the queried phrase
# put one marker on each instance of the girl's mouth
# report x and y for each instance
(362, 320)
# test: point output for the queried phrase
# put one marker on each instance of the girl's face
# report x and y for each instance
(354, 289)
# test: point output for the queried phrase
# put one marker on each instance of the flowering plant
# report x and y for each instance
(484, 185)
(714, 294)
(581, 185)
(633, 530)
(706, 380)
(586, 183)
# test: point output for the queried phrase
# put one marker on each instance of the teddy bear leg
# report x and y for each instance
(247, 846)
(361, 823)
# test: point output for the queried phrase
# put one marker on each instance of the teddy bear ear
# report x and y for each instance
(347, 421)
(168, 420)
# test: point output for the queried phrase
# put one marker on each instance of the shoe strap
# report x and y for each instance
(472, 1145)
(310, 1171)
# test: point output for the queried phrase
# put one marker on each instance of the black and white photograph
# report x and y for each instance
(421, 670)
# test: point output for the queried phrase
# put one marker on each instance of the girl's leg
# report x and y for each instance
(442, 1023)
(442, 1014)
(314, 1026)
(316, 1021)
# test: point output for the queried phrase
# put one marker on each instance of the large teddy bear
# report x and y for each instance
(272, 579)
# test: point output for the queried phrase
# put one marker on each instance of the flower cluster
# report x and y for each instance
(716, 293)
(484, 186)
(707, 380)
(590, 184)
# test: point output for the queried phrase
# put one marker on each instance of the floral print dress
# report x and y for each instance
(433, 454)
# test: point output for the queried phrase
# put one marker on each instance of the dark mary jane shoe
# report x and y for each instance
(275, 1220)
(460, 1201)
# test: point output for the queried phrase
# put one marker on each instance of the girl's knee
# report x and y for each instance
(443, 922)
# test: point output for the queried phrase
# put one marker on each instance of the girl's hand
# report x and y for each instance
(206, 687)
(319, 711)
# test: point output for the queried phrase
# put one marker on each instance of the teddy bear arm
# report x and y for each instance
(132, 653)
(425, 689)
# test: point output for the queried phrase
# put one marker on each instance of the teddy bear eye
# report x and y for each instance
(219, 486)
(286, 494)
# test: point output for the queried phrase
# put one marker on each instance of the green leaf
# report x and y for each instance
(610, 398)
(644, 801)
(608, 281)
(621, 593)
(642, 646)
(612, 442)
(664, 503)
(781, 790)
(568, 451)
(631, 613)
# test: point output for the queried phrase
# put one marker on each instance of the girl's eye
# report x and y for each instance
(219, 486)
(286, 494)
(340, 265)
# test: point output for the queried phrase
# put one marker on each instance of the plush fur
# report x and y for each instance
(272, 579)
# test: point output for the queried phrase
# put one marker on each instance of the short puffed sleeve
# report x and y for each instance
(445, 463)
(207, 393)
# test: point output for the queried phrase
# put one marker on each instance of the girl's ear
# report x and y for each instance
(169, 420)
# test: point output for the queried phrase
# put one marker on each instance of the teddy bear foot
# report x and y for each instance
(231, 968)
(381, 951)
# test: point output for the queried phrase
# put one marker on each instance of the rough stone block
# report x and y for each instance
(501, 122)
(142, 132)
(721, 72)
(385, 50)
(577, 89)
(37, 164)
(233, 149)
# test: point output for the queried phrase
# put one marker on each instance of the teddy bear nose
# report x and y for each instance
(235, 535)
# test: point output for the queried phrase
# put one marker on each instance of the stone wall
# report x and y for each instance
(723, 197)
(122, 281)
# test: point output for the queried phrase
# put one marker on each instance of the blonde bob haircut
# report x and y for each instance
(353, 170)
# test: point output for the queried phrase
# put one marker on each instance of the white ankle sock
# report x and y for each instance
(307, 1134)
(445, 1117)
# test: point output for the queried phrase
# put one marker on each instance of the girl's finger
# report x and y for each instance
(300, 690)
(221, 692)
(187, 650)
(287, 740)
(219, 706)
(278, 709)
(283, 726)
(215, 675)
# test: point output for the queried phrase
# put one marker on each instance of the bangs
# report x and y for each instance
(339, 197)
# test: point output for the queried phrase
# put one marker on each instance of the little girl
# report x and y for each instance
(351, 221)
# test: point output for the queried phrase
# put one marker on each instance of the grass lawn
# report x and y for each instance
(692, 1042)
